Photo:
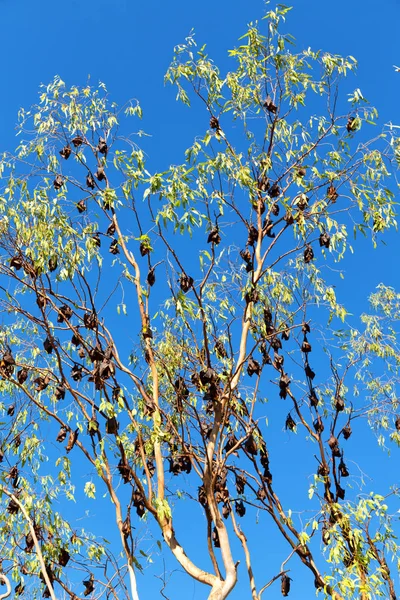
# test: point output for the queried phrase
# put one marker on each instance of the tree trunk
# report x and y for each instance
(7, 593)
(217, 592)
(132, 579)
(222, 589)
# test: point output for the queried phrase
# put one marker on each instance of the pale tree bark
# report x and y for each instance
(36, 543)
(5, 580)
(132, 579)
(165, 524)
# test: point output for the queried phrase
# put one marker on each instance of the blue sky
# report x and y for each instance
(128, 46)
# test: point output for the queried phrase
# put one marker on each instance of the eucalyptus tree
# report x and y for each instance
(153, 323)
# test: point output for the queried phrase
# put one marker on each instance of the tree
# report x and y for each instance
(153, 338)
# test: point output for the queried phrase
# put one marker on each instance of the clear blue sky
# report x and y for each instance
(128, 45)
